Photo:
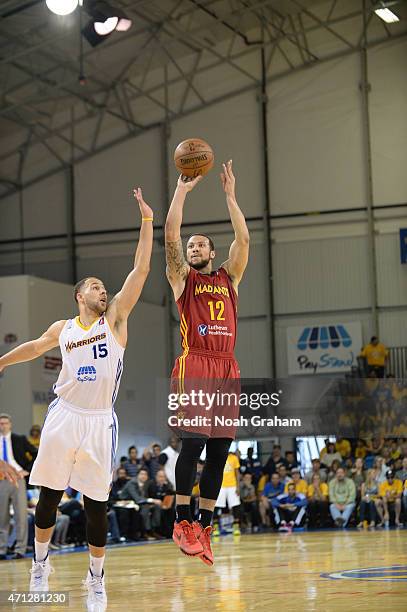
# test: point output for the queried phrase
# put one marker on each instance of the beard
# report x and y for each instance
(199, 265)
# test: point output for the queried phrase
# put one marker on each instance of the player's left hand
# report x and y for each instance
(145, 209)
(228, 179)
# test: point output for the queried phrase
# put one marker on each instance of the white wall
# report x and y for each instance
(320, 263)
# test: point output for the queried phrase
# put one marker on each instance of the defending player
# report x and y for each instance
(79, 437)
(207, 304)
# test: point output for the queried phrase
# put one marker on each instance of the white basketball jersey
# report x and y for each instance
(92, 364)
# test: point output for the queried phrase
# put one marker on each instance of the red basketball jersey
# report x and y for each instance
(208, 312)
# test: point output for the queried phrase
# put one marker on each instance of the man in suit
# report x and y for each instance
(13, 449)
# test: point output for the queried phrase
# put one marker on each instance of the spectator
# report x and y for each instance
(324, 450)
(13, 451)
(376, 355)
(229, 493)
(249, 501)
(71, 505)
(289, 509)
(360, 450)
(343, 447)
(380, 470)
(316, 469)
(133, 464)
(375, 447)
(334, 467)
(405, 501)
(395, 451)
(252, 466)
(146, 459)
(318, 504)
(401, 474)
(331, 455)
(155, 464)
(358, 475)
(35, 436)
(386, 454)
(390, 492)
(342, 495)
(370, 502)
(129, 518)
(137, 490)
(274, 461)
(168, 459)
(300, 484)
(272, 490)
(282, 472)
(118, 485)
(291, 460)
(160, 490)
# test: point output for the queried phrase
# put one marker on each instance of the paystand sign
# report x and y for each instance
(326, 348)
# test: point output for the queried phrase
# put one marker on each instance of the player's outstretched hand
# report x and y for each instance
(188, 183)
(9, 473)
(145, 209)
(228, 179)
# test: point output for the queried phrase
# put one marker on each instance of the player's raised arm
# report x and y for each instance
(239, 249)
(34, 348)
(177, 267)
(124, 301)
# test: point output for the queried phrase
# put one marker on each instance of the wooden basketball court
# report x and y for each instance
(322, 571)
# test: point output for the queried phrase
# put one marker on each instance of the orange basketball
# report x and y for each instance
(194, 157)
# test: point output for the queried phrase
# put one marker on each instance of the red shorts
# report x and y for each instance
(208, 387)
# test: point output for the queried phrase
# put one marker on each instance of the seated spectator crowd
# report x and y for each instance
(360, 483)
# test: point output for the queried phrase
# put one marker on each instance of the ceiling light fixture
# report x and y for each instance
(382, 10)
(61, 7)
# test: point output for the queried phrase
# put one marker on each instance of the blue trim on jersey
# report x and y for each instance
(50, 407)
(119, 372)
(114, 440)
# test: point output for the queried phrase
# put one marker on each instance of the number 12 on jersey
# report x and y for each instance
(219, 307)
(99, 350)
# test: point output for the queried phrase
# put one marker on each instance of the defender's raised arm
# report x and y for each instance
(124, 301)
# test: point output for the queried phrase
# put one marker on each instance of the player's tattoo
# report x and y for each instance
(176, 264)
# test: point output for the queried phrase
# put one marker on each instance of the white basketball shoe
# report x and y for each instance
(40, 570)
(97, 599)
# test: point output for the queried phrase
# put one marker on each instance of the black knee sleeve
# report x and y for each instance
(217, 450)
(46, 510)
(185, 469)
(96, 521)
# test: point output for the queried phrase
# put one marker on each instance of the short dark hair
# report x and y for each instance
(79, 286)
(373, 338)
(131, 448)
(143, 469)
(211, 244)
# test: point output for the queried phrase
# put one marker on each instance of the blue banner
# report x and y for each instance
(403, 245)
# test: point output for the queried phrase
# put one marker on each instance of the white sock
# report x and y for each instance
(41, 550)
(96, 565)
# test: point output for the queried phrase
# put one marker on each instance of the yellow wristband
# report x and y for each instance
(147, 219)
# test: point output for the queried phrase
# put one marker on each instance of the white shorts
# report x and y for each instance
(77, 449)
(228, 495)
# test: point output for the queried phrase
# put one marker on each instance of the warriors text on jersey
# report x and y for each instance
(208, 312)
(92, 365)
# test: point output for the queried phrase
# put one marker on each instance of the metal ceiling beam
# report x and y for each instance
(217, 100)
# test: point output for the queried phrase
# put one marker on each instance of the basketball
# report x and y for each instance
(194, 157)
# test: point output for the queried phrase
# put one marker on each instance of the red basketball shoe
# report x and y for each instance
(204, 537)
(185, 538)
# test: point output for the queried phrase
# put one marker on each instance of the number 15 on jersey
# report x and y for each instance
(100, 350)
